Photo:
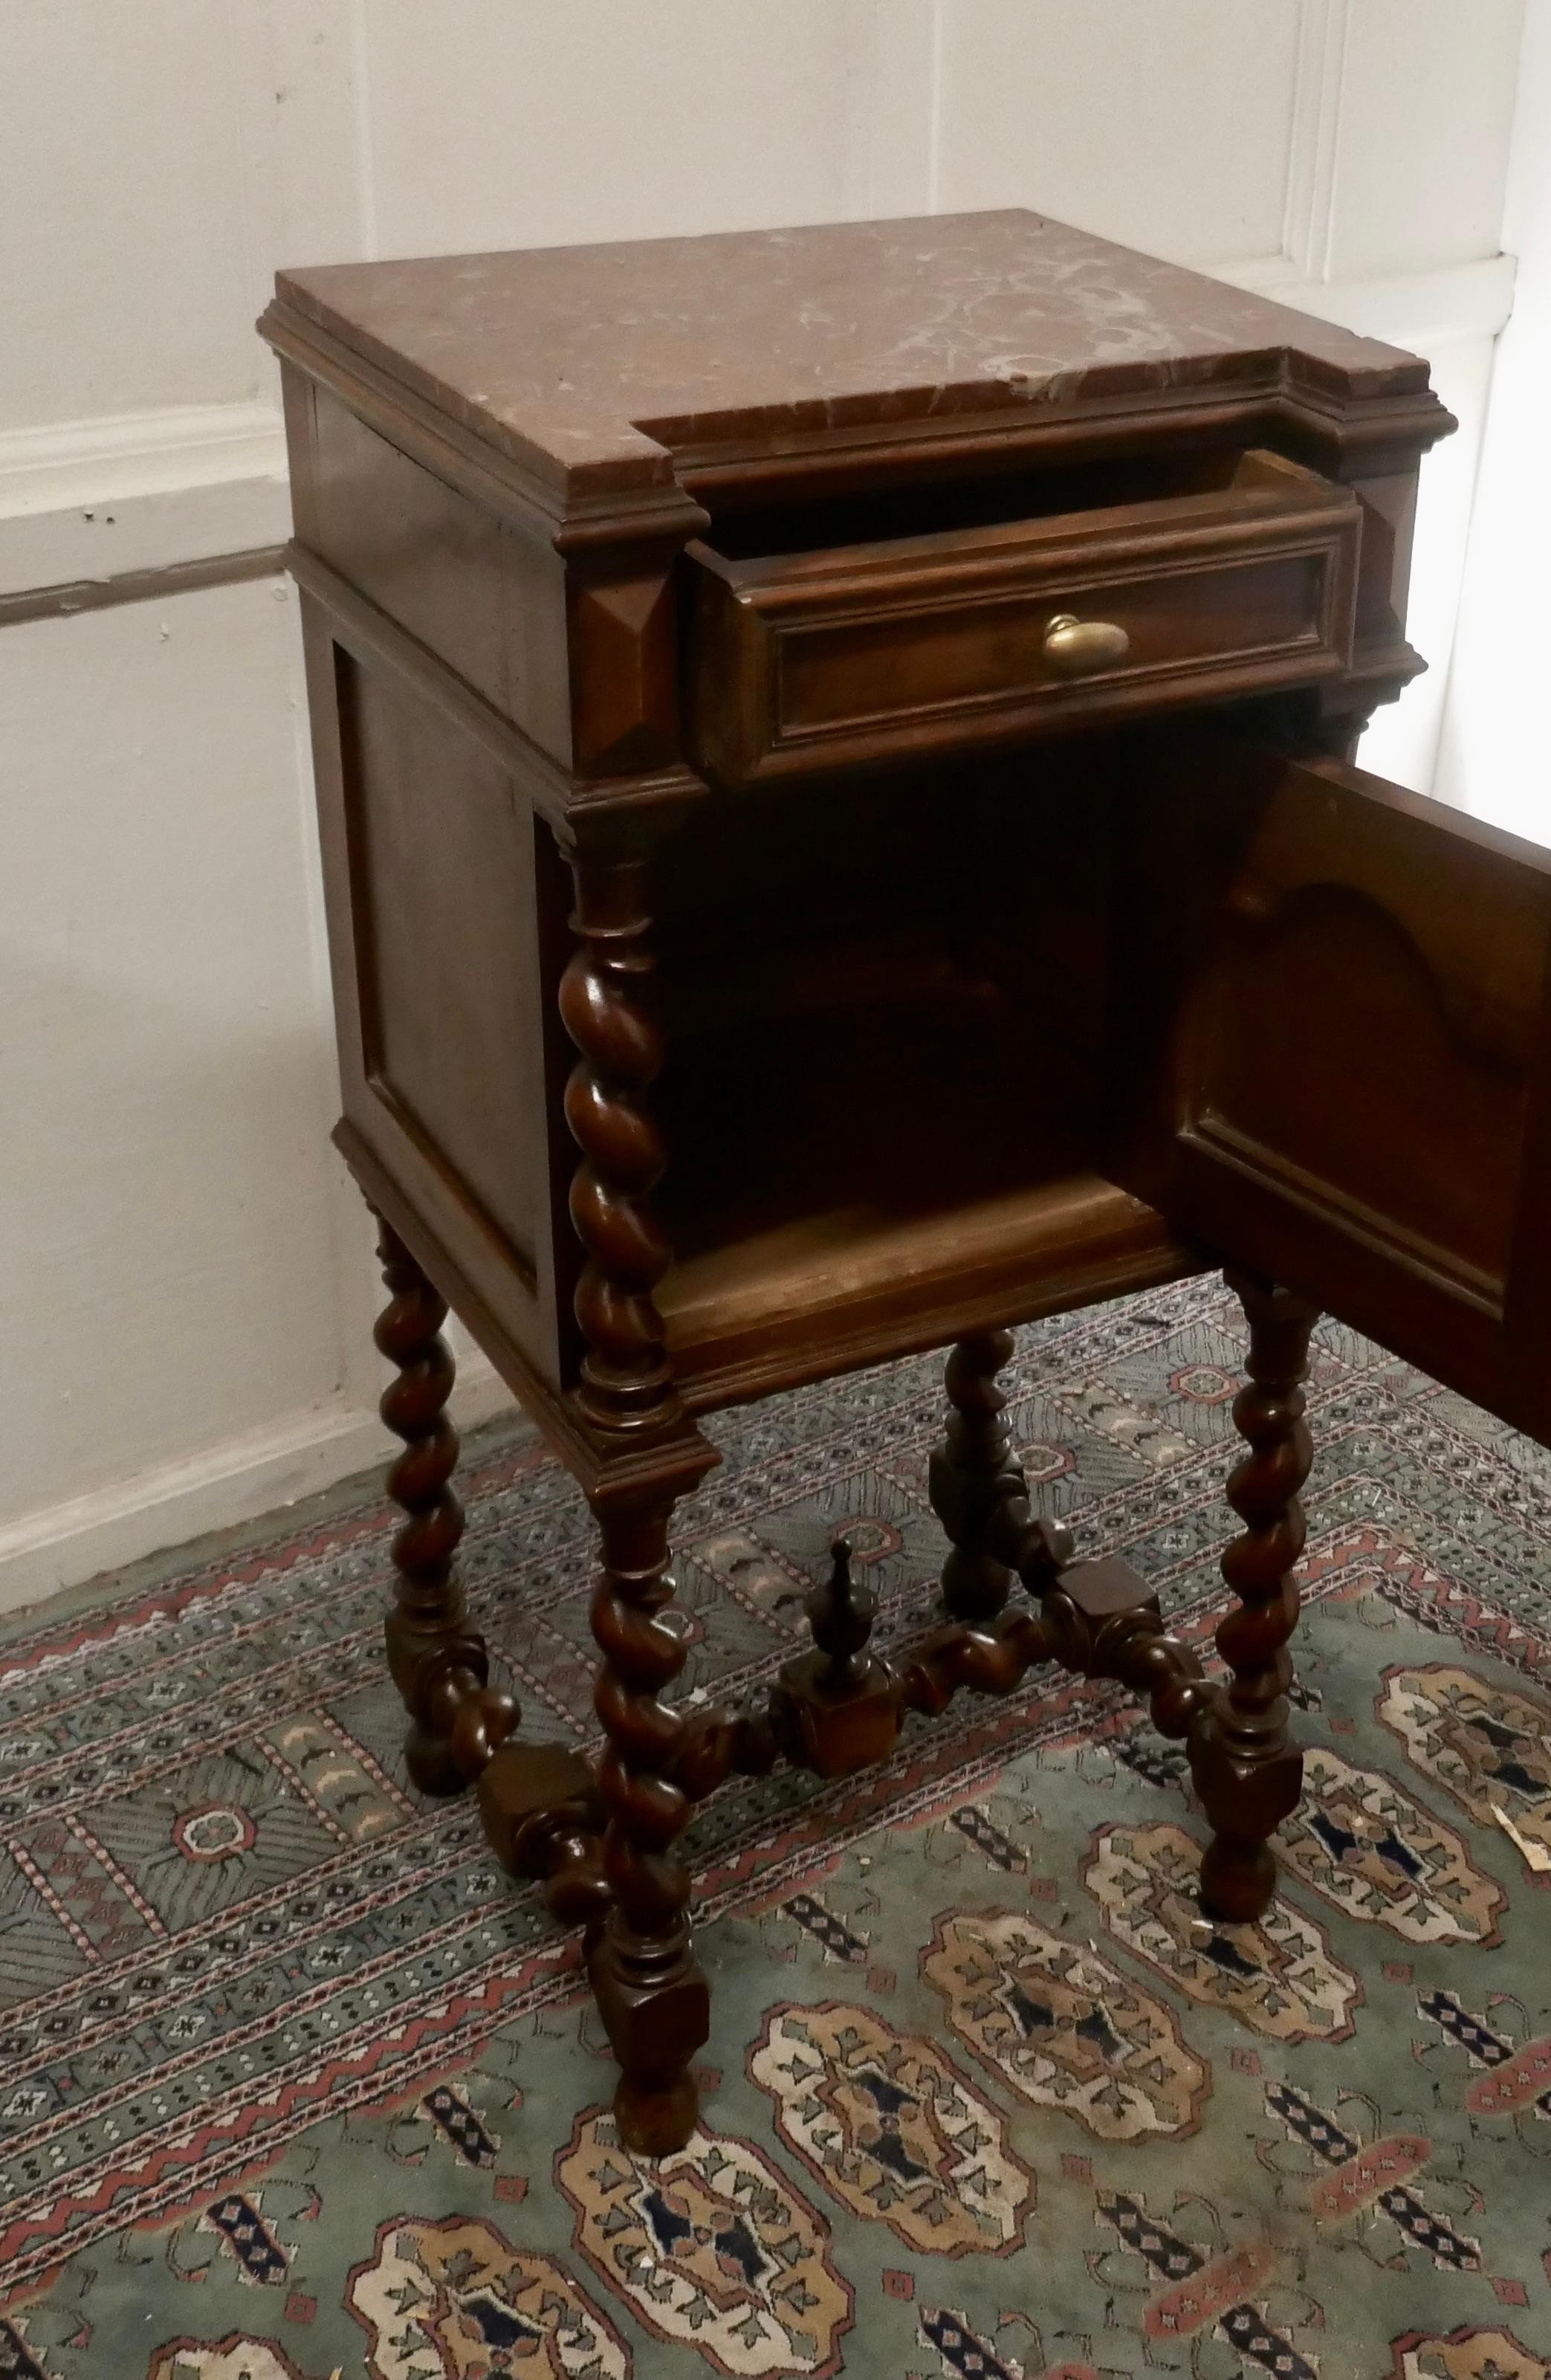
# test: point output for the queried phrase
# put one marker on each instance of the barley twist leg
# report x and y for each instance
(1247, 1768)
(438, 1663)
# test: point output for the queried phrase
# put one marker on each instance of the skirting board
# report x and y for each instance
(240, 1479)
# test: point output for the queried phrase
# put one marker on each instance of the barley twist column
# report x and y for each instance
(438, 1663)
(1247, 1769)
(625, 1380)
(650, 1992)
(971, 1473)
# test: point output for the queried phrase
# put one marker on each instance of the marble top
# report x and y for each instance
(589, 365)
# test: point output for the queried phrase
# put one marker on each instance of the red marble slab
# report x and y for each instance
(590, 365)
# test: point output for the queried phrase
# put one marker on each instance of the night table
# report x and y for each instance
(831, 748)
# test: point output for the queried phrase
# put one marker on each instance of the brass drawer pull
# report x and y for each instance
(1074, 647)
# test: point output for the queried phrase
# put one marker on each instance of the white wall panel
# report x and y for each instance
(122, 231)
(500, 125)
(300, 126)
(1494, 754)
(156, 164)
(167, 1259)
(1170, 128)
(1426, 114)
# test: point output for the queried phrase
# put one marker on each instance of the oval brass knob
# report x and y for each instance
(1074, 647)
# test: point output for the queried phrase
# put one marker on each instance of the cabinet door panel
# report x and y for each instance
(1329, 1040)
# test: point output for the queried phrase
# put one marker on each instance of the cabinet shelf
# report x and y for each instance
(856, 1285)
(871, 1181)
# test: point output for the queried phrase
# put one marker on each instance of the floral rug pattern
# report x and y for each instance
(294, 2083)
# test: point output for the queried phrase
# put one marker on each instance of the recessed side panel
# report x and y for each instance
(430, 879)
(442, 880)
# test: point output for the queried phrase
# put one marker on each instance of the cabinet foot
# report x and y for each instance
(1238, 1880)
(655, 2004)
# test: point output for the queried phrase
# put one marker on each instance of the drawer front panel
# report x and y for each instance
(845, 675)
(872, 654)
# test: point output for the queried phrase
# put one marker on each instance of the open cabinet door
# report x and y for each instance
(1329, 1050)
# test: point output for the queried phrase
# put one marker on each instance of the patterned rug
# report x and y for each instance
(294, 2083)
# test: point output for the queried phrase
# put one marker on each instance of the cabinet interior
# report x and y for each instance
(885, 1021)
(882, 510)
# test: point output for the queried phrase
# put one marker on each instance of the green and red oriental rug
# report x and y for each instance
(294, 2081)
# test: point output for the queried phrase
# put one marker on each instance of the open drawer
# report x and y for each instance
(926, 644)
(1330, 1051)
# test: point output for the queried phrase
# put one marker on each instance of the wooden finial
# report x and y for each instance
(833, 1710)
(840, 1613)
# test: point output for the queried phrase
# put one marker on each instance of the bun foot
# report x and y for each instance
(429, 1759)
(533, 1799)
(655, 2123)
(1238, 1880)
(655, 2004)
(463, 1724)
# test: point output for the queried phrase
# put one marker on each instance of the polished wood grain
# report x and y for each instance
(850, 1286)
(835, 845)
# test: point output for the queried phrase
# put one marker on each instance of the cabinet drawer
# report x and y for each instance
(920, 645)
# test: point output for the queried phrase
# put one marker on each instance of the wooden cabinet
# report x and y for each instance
(830, 748)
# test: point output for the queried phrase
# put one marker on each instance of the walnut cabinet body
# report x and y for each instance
(832, 751)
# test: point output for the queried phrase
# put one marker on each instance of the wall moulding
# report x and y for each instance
(1313, 139)
(140, 491)
(1419, 311)
(63, 600)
